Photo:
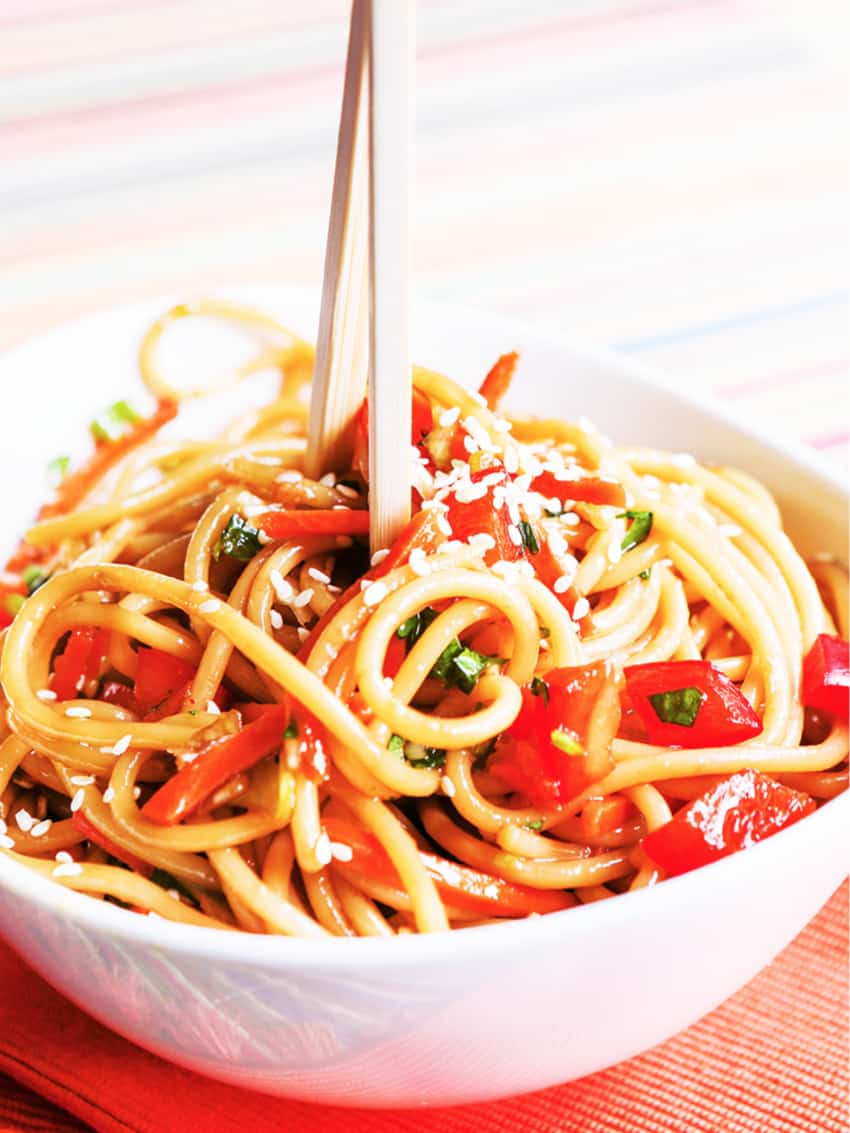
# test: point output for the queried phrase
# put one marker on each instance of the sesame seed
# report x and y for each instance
(41, 828)
(68, 869)
(449, 416)
(303, 598)
(290, 476)
(570, 519)
(375, 593)
(346, 492)
(262, 538)
(318, 575)
(136, 792)
(63, 856)
(282, 586)
(322, 849)
(329, 480)
(46, 694)
(320, 762)
(469, 444)
(109, 795)
(303, 633)
(122, 744)
(276, 619)
(478, 398)
(444, 526)
(173, 893)
(448, 786)
(418, 563)
(525, 569)
(78, 712)
(562, 584)
(24, 820)
(81, 780)
(340, 852)
(78, 800)
(212, 708)
(379, 556)
(81, 681)
(200, 586)
(6, 842)
(511, 459)
(482, 542)
(581, 609)
(209, 607)
(615, 552)
(251, 511)
(514, 535)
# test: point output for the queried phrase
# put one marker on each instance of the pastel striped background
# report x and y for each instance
(668, 176)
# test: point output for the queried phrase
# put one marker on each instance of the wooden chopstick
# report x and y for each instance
(391, 63)
(339, 380)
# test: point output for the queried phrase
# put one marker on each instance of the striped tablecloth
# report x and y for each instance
(666, 176)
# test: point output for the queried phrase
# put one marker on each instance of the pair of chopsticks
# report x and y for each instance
(363, 324)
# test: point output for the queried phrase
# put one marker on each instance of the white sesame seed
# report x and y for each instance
(347, 492)
(444, 526)
(78, 712)
(68, 869)
(209, 607)
(290, 476)
(107, 750)
(525, 569)
(24, 820)
(173, 893)
(276, 619)
(511, 460)
(122, 744)
(581, 609)
(303, 633)
(502, 426)
(482, 542)
(318, 575)
(212, 708)
(137, 792)
(262, 538)
(448, 786)
(81, 681)
(109, 795)
(251, 511)
(78, 800)
(449, 416)
(379, 556)
(329, 480)
(81, 780)
(375, 593)
(41, 828)
(469, 444)
(478, 398)
(322, 849)
(6, 842)
(46, 694)
(282, 586)
(303, 598)
(570, 519)
(562, 584)
(615, 552)
(514, 535)
(320, 762)
(63, 856)
(418, 563)
(340, 852)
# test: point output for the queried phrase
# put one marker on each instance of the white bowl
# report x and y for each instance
(474, 1015)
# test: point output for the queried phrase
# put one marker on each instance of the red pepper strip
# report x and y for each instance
(498, 380)
(527, 760)
(422, 531)
(81, 660)
(461, 886)
(321, 521)
(735, 814)
(587, 490)
(214, 764)
(158, 675)
(89, 831)
(107, 453)
(483, 516)
(826, 676)
(422, 422)
(724, 717)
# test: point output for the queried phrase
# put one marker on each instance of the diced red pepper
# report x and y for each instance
(159, 676)
(586, 490)
(498, 380)
(602, 815)
(722, 717)
(89, 831)
(214, 764)
(460, 885)
(826, 676)
(483, 516)
(528, 760)
(292, 524)
(81, 660)
(742, 810)
(114, 692)
(549, 570)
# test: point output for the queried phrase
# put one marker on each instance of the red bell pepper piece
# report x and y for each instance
(81, 660)
(826, 676)
(422, 531)
(214, 764)
(483, 516)
(460, 885)
(587, 490)
(321, 521)
(498, 380)
(422, 422)
(711, 711)
(548, 570)
(550, 772)
(159, 675)
(115, 692)
(742, 810)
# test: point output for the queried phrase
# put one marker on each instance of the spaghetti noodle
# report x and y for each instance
(569, 671)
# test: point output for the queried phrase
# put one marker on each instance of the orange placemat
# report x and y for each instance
(773, 1059)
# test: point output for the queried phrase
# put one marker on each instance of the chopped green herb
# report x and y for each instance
(239, 540)
(396, 743)
(412, 628)
(540, 688)
(459, 667)
(640, 527)
(677, 706)
(644, 574)
(113, 422)
(419, 756)
(481, 754)
(13, 603)
(566, 743)
(534, 824)
(443, 665)
(291, 732)
(57, 469)
(33, 577)
(528, 536)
